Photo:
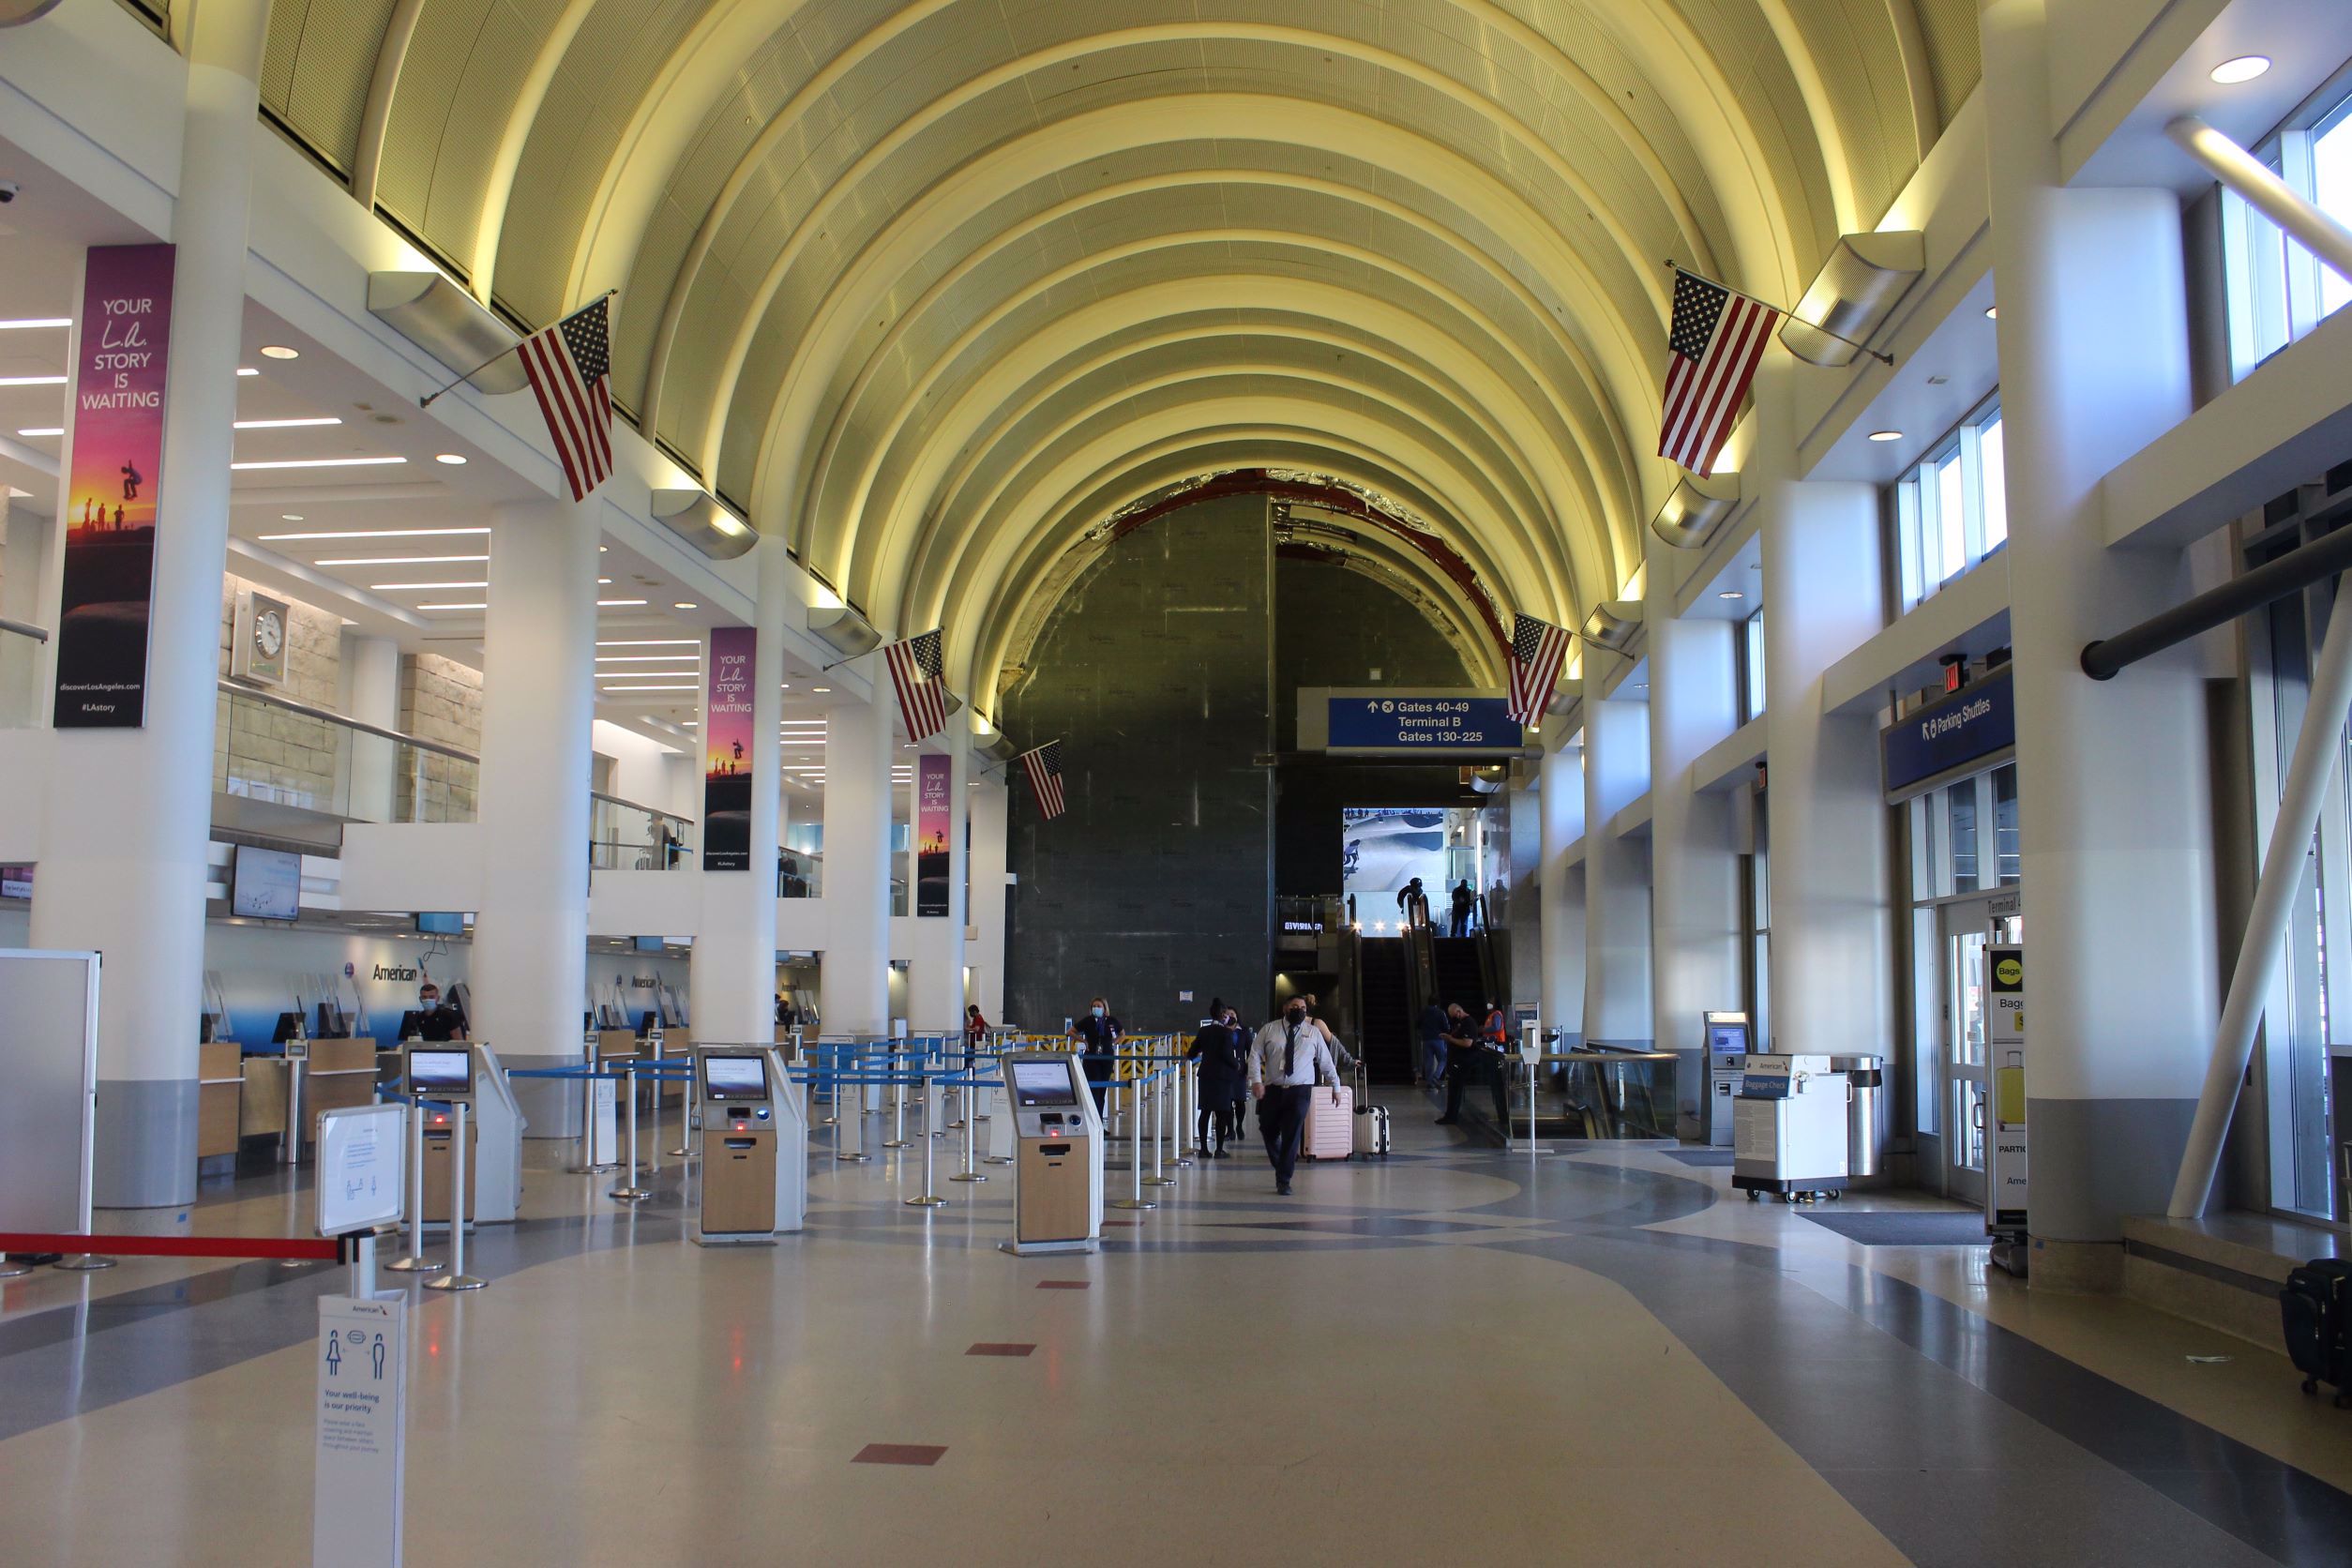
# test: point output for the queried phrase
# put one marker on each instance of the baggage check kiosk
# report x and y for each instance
(1058, 1154)
(1789, 1133)
(755, 1147)
(469, 1071)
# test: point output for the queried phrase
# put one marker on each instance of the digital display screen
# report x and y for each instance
(649, 945)
(1043, 1083)
(1728, 1039)
(265, 885)
(440, 1072)
(735, 1078)
(443, 923)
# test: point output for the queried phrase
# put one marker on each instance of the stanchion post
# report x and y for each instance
(626, 1190)
(897, 1139)
(1135, 1199)
(971, 1132)
(928, 1200)
(1159, 1128)
(416, 1262)
(588, 1165)
(457, 1278)
(1187, 1101)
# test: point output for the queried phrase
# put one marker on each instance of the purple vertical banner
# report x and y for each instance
(932, 781)
(727, 751)
(113, 485)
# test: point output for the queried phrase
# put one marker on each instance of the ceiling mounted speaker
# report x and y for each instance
(1611, 626)
(1853, 293)
(445, 321)
(1697, 509)
(698, 520)
(844, 631)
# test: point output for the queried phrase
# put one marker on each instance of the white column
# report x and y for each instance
(1616, 870)
(530, 971)
(1694, 862)
(991, 803)
(371, 670)
(1561, 916)
(2112, 776)
(732, 971)
(122, 869)
(855, 989)
(24, 551)
(935, 971)
(1831, 936)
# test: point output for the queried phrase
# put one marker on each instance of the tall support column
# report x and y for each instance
(1831, 949)
(371, 669)
(1561, 915)
(855, 992)
(123, 864)
(1616, 870)
(991, 803)
(1694, 860)
(2112, 776)
(530, 977)
(935, 971)
(733, 970)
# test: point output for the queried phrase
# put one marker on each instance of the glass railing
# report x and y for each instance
(20, 665)
(281, 752)
(626, 836)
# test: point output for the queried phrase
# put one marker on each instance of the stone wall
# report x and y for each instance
(265, 752)
(441, 700)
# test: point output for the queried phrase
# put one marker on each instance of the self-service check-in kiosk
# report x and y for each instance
(472, 1073)
(755, 1147)
(1056, 1154)
(1726, 1064)
(1790, 1128)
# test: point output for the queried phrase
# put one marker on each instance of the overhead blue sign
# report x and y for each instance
(1955, 730)
(1421, 724)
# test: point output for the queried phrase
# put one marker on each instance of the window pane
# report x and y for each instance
(1952, 545)
(1755, 693)
(2255, 262)
(1993, 460)
(2005, 841)
(2331, 180)
(1962, 814)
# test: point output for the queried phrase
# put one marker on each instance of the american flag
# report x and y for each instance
(1538, 649)
(1716, 340)
(916, 668)
(568, 365)
(1044, 764)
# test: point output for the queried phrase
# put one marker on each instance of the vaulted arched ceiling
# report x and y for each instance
(932, 288)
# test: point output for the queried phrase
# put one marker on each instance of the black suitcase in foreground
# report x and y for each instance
(2315, 1312)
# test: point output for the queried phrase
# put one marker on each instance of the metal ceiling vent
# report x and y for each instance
(1696, 510)
(445, 321)
(697, 517)
(1853, 293)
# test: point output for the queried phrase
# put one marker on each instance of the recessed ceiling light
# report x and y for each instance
(31, 381)
(286, 424)
(601, 548)
(321, 462)
(454, 460)
(2243, 68)
(604, 583)
(247, 370)
(618, 604)
(1886, 435)
(395, 560)
(650, 642)
(686, 604)
(453, 606)
(280, 350)
(289, 517)
(368, 533)
(411, 587)
(1731, 594)
(43, 431)
(22, 324)
(824, 688)
(1992, 312)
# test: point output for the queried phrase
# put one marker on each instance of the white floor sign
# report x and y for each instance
(363, 1426)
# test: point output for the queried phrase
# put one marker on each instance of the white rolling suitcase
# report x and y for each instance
(1371, 1135)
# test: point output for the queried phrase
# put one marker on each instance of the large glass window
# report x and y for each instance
(1752, 667)
(1950, 511)
(2277, 290)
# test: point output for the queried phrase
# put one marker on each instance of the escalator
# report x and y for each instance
(1461, 972)
(1386, 1022)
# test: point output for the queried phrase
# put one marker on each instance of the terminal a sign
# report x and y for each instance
(1407, 722)
(1949, 734)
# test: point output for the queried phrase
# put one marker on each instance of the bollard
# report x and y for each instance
(457, 1278)
(588, 1166)
(971, 1124)
(1135, 1199)
(1159, 1136)
(416, 1262)
(626, 1190)
(928, 1200)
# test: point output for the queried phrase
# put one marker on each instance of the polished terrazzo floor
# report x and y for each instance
(1603, 1356)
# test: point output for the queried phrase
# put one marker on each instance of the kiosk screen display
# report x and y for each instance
(1043, 1083)
(440, 1072)
(735, 1078)
(1727, 1038)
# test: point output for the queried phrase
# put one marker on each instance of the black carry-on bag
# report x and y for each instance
(2315, 1314)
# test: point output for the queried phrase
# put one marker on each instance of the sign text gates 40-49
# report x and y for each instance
(1421, 724)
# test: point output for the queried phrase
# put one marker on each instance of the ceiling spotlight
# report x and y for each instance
(289, 517)
(454, 460)
(2243, 68)
(1992, 312)
(1731, 594)
(1886, 435)
(280, 350)
(686, 604)
(822, 688)
(247, 370)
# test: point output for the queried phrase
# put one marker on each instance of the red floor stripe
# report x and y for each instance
(993, 1348)
(899, 1454)
(170, 1246)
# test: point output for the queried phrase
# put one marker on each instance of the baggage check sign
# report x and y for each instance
(1408, 723)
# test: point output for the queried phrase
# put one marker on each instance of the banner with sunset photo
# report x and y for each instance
(727, 751)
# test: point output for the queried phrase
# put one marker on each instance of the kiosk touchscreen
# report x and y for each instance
(755, 1147)
(470, 1073)
(1058, 1154)
(1725, 1066)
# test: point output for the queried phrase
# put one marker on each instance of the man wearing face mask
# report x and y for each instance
(1286, 1061)
(1097, 1035)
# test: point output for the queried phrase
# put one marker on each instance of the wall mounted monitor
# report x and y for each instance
(265, 885)
(440, 1072)
(651, 944)
(735, 1078)
(441, 923)
(1043, 1083)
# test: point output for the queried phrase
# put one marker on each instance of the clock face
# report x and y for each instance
(269, 634)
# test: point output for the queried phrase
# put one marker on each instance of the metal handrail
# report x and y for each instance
(666, 816)
(23, 629)
(328, 715)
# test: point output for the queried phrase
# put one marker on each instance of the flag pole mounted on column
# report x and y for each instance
(428, 399)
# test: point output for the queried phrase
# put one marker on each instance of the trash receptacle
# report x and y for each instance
(1866, 1079)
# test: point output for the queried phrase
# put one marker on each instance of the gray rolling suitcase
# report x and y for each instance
(1371, 1135)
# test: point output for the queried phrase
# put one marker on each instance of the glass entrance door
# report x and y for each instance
(1966, 928)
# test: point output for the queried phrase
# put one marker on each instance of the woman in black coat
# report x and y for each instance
(1224, 1075)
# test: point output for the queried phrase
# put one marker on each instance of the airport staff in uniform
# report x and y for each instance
(1097, 1035)
(1218, 1048)
(1286, 1061)
(437, 1022)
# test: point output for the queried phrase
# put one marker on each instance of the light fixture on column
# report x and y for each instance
(1853, 293)
(1695, 510)
(1612, 624)
(445, 321)
(697, 517)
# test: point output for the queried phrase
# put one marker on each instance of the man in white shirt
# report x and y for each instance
(1287, 1060)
